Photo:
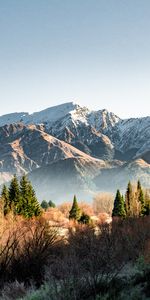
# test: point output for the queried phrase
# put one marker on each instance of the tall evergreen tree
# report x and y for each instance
(147, 203)
(139, 187)
(14, 195)
(29, 204)
(129, 199)
(6, 201)
(119, 206)
(75, 212)
(141, 200)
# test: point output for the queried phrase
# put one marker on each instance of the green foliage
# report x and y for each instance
(51, 204)
(119, 206)
(30, 204)
(75, 212)
(129, 199)
(14, 195)
(142, 202)
(44, 204)
(20, 198)
(85, 219)
(5, 197)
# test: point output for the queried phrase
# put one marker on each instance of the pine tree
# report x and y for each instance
(129, 200)
(23, 193)
(6, 201)
(141, 200)
(75, 212)
(119, 206)
(29, 204)
(147, 203)
(14, 195)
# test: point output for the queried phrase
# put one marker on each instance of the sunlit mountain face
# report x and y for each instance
(70, 149)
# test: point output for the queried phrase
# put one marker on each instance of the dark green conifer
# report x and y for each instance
(119, 206)
(129, 199)
(141, 199)
(75, 212)
(6, 201)
(14, 195)
(142, 202)
(29, 204)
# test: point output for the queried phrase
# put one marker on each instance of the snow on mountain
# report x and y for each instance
(100, 133)
(13, 118)
(52, 114)
(70, 111)
(132, 137)
(76, 144)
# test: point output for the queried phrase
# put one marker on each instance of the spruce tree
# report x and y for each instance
(6, 201)
(147, 203)
(75, 212)
(141, 200)
(129, 199)
(119, 206)
(23, 193)
(139, 187)
(14, 195)
(29, 204)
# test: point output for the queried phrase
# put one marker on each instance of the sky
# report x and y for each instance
(93, 52)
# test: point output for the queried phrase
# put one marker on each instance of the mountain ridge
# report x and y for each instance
(77, 139)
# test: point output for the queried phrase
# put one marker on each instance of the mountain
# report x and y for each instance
(69, 144)
(25, 148)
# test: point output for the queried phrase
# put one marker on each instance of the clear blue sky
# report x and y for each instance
(95, 52)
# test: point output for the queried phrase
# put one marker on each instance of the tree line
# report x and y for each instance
(135, 203)
(20, 198)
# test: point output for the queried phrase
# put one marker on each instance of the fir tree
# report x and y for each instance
(6, 201)
(139, 187)
(75, 212)
(29, 204)
(23, 193)
(141, 200)
(129, 199)
(119, 206)
(147, 203)
(14, 195)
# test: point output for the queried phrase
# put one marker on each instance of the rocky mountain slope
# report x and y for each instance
(88, 150)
